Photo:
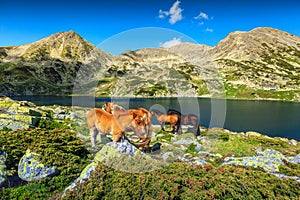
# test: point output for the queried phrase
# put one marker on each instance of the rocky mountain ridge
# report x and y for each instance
(263, 63)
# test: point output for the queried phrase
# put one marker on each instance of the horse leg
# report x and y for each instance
(93, 133)
(117, 137)
(162, 125)
(198, 131)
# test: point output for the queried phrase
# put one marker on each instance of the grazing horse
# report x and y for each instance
(100, 121)
(144, 116)
(189, 119)
(166, 118)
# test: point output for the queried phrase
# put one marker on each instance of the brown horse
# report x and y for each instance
(143, 115)
(99, 121)
(189, 119)
(166, 118)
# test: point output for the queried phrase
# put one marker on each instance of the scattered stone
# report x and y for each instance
(295, 160)
(125, 146)
(30, 168)
(268, 160)
(279, 175)
(18, 114)
(168, 156)
(114, 150)
(204, 153)
(252, 133)
(200, 138)
(198, 147)
(199, 161)
(2, 167)
(294, 142)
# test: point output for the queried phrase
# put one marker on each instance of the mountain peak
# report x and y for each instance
(241, 45)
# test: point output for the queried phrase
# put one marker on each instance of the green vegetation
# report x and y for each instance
(157, 89)
(182, 181)
(244, 92)
(200, 86)
(58, 147)
(290, 169)
(61, 148)
(105, 86)
(242, 145)
(66, 52)
(52, 124)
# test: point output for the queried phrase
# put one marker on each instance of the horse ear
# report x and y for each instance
(144, 116)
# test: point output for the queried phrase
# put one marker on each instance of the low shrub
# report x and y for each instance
(57, 147)
(182, 181)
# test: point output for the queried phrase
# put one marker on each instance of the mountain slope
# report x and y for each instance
(258, 61)
(48, 66)
(149, 72)
(263, 63)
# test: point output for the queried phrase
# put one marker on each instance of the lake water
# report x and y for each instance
(273, 118)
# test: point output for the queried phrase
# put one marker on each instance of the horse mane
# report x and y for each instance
(118, 108)
(172, 111)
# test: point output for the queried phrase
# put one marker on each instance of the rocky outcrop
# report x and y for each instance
(31, 169)
(268, 160)
(2, 167)
(109, 151)
(18, 114)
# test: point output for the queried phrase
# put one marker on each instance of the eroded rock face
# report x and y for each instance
(30, 168)
(2, 167)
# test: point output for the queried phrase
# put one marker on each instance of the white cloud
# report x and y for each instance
(202, 15)
(162, 14)
(171, 43)
(175, 13)
(209, 30)
(201, 23)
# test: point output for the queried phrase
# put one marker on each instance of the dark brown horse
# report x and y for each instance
(162, 118)
(189, 119)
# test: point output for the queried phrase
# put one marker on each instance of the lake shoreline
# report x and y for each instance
(158, 97)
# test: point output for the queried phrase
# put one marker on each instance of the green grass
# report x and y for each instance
(105, 86)
(157, 89)
(239, 145)
(290, 169)
(244, 92)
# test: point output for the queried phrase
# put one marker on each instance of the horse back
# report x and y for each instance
(100, 119)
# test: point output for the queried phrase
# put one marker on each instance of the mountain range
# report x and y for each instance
(263, 63)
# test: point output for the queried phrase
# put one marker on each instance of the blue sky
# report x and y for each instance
(201, 21)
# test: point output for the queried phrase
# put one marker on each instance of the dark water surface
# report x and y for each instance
(273, 118)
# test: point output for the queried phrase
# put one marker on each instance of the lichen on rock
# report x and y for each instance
(2, 167)
(30, 168)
